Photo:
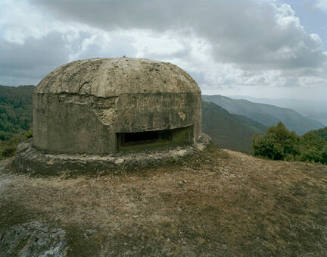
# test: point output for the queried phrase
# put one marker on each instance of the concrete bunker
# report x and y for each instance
(103, 107)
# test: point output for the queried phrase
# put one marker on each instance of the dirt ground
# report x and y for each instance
(215, 203)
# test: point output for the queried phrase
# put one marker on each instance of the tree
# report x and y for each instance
(277, 144)
(281, 144)
(313, 147)
(324, 155)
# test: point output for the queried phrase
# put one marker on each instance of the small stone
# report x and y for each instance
(119, 161)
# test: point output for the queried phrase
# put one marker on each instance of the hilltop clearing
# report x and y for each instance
(216, 203)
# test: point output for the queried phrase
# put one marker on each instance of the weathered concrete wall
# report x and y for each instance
(66, 127)
(66, 123)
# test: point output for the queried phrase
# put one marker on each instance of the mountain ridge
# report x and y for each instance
(228, 130)
(266, 114)
(311, 109)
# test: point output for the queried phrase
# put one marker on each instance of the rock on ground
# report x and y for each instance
(33, 239)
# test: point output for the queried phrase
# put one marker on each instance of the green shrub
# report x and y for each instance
(266, 146)
(324, 155)
(8, 151)
(29, 133)
(311, 155)
(312, 140)
(8, 148)
(312, 147)
(277, 144)
(281, 144)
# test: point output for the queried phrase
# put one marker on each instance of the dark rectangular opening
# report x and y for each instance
(150, 139)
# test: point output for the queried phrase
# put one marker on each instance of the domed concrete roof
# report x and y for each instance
(115, 76)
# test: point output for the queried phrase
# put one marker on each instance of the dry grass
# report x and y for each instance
(218, 203)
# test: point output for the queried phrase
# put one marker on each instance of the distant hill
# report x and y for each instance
(268, 115)
(229, 130)
(15, 110)
(316, 110)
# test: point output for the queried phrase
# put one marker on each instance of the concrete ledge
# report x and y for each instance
(30, 160)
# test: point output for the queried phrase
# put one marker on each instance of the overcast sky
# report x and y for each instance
(259, 48)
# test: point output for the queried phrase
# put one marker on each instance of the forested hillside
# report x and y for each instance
(15, 110)
(322, 133)
(229, 130)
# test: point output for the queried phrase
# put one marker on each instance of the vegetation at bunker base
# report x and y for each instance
(281, 144)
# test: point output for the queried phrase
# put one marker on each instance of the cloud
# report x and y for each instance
(225, 43)
(94, 43)
(32, 43)
(27, 62)
(322, 4)
(254, 34)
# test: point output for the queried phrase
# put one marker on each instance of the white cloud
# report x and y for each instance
(249, 32)
(322, 4)
(223, 44)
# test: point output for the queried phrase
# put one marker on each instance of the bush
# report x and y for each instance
(311, 154)
(281, 144)
(8, 151)
(324, 155)
(266, 146)
(8, 148)
(312, 147)
(312, 140)
(29, 133)
(277, 144)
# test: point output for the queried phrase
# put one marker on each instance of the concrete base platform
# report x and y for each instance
(30, 160)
